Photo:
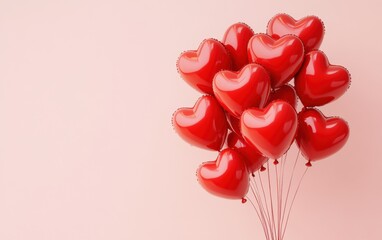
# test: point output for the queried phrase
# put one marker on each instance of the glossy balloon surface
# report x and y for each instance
(272, 129)
(285, 93)
(282, 57)
(310, 29)
(319, 82)
(318, 136)
(198, 68)
(253, 159)
(204, 125)
(236, 40)
(237, 91)
(226, 177)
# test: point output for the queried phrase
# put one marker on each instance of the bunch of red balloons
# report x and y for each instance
(249, 110)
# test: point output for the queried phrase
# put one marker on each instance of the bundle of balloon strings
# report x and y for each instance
(249, 112)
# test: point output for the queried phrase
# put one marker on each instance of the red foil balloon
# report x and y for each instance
(319, 82)
(318, 136)
(272, 129)
(282, 57)
(253, 159)
(310, 29)
(236, 41)
(204, 125)
(226, 177)
(198, 68)
(237, 91)
(286, 93)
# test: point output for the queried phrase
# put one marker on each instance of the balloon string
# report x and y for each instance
(294, 197)
(261, 217)
(282, 177)
(279, 197)
(261, 202)
(289, 187)
(278, 201)
(281, 183)
(275, 219)
(271, 200)
(266, 203)
(253, 205)
(265, 209)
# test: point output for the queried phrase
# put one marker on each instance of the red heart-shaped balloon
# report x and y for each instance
(237, 91)
(272, 129)
(204, 125)
(226, 177)
(318, 136)
(309, 29)
(319, 82)
(253, 159)
(236, 41)
(282, 57)
(286, 93)
(198, 68)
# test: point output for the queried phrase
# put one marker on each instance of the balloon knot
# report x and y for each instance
(308, 164)
(253, 175)
(262, 169)
(243, 200)
(275, 162)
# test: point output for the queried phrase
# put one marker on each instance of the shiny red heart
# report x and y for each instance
(282, 57)
(310, 29)
(319, 136)
(272, 129)
(204, 125)
(236, 41)
(226, 177)
(319, 82)
(198, 68)
(253, 159)
(286, 93)
(237, 91)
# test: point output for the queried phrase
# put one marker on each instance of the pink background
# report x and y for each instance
(87, 151)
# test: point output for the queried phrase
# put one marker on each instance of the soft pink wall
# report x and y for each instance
(87, 151)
